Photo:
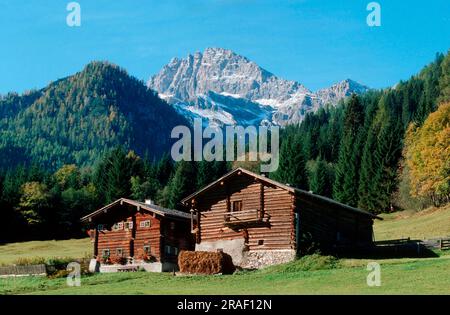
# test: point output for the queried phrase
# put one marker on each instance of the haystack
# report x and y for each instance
(205, 262)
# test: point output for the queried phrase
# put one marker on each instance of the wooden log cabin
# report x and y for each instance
(138, 234)
(260, 222)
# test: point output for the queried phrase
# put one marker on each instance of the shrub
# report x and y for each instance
(308, 263)
(59, 274)
(118, 260)
(145, 257)
(205, 262)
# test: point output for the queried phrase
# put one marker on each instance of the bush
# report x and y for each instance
(59, 274)
(308, 263)
(119, 260)
(141, 255)
(205, 263)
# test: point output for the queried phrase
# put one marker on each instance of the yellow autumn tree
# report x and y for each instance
(427, 153)
(34, 198)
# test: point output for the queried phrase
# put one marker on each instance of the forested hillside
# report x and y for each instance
(381, 151)
(79, 118)
(38, 203)
(357, 148)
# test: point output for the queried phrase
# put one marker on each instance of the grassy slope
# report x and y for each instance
(432, 222)
(400, 276)
(427, 276)
(75, 248)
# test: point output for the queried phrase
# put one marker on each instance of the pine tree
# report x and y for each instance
(382, 152)
(205, 173)
(118, 174)
(164, 169)
(345, 188)
(292, 167)
(444, 80)
(321, 181)
(113, 175)
(181, 184)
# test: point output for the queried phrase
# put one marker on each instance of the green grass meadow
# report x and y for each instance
(309, 275)
(77, 248)
(426, 276)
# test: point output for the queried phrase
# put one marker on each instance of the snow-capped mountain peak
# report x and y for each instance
(239, 90)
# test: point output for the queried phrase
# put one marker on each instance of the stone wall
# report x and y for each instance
(248, 259)
(236, 248)
(150, 267)
(263, 258)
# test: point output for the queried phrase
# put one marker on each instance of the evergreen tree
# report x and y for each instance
(164, 169)
(345, 188)
(113, 175)
(321, 181)
(205, 173)
(444, 80)
(292, 167)
(181, 184)
(141, 190)
(382, 152)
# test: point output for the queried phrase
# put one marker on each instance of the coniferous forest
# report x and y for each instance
(99, 135)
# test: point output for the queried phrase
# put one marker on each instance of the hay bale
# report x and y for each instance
(205, 263)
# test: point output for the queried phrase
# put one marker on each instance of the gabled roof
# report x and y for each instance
(299, 192)
(165, 212)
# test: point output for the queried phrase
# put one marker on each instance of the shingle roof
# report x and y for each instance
(165, 212)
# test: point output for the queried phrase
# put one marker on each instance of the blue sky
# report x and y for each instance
(316, 42)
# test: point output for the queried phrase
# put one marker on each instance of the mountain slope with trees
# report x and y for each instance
(79, 118)
(380, 151)
(362, 142)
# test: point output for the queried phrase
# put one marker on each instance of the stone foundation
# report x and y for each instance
(244, 258)
(150, 267)
(262, 258)
(235, 248)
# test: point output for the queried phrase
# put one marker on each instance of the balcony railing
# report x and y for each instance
(247, 217)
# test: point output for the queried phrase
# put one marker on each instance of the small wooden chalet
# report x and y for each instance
(259, 221)
(129, 232)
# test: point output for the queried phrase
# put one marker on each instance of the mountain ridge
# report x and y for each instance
(184, 83)
(78, 118)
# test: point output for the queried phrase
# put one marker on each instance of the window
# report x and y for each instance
(171, 250)
(117, 226)
(145, 224)
(147, 249)
(260, 242)
(129, 225)
(119, 252)
(172, 225)
(237, 205)
(100, 227)
(105, 253)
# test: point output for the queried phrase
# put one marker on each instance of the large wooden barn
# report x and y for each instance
(138, 234)
(260, 222)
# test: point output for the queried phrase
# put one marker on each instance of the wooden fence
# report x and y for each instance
(445, 244)
(392, 242)
(32, 270)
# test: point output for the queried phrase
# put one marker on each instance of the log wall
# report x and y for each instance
(329, 225)
(276, 203)
(162, 231)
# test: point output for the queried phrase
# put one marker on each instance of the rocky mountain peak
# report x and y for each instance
(217, 78)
